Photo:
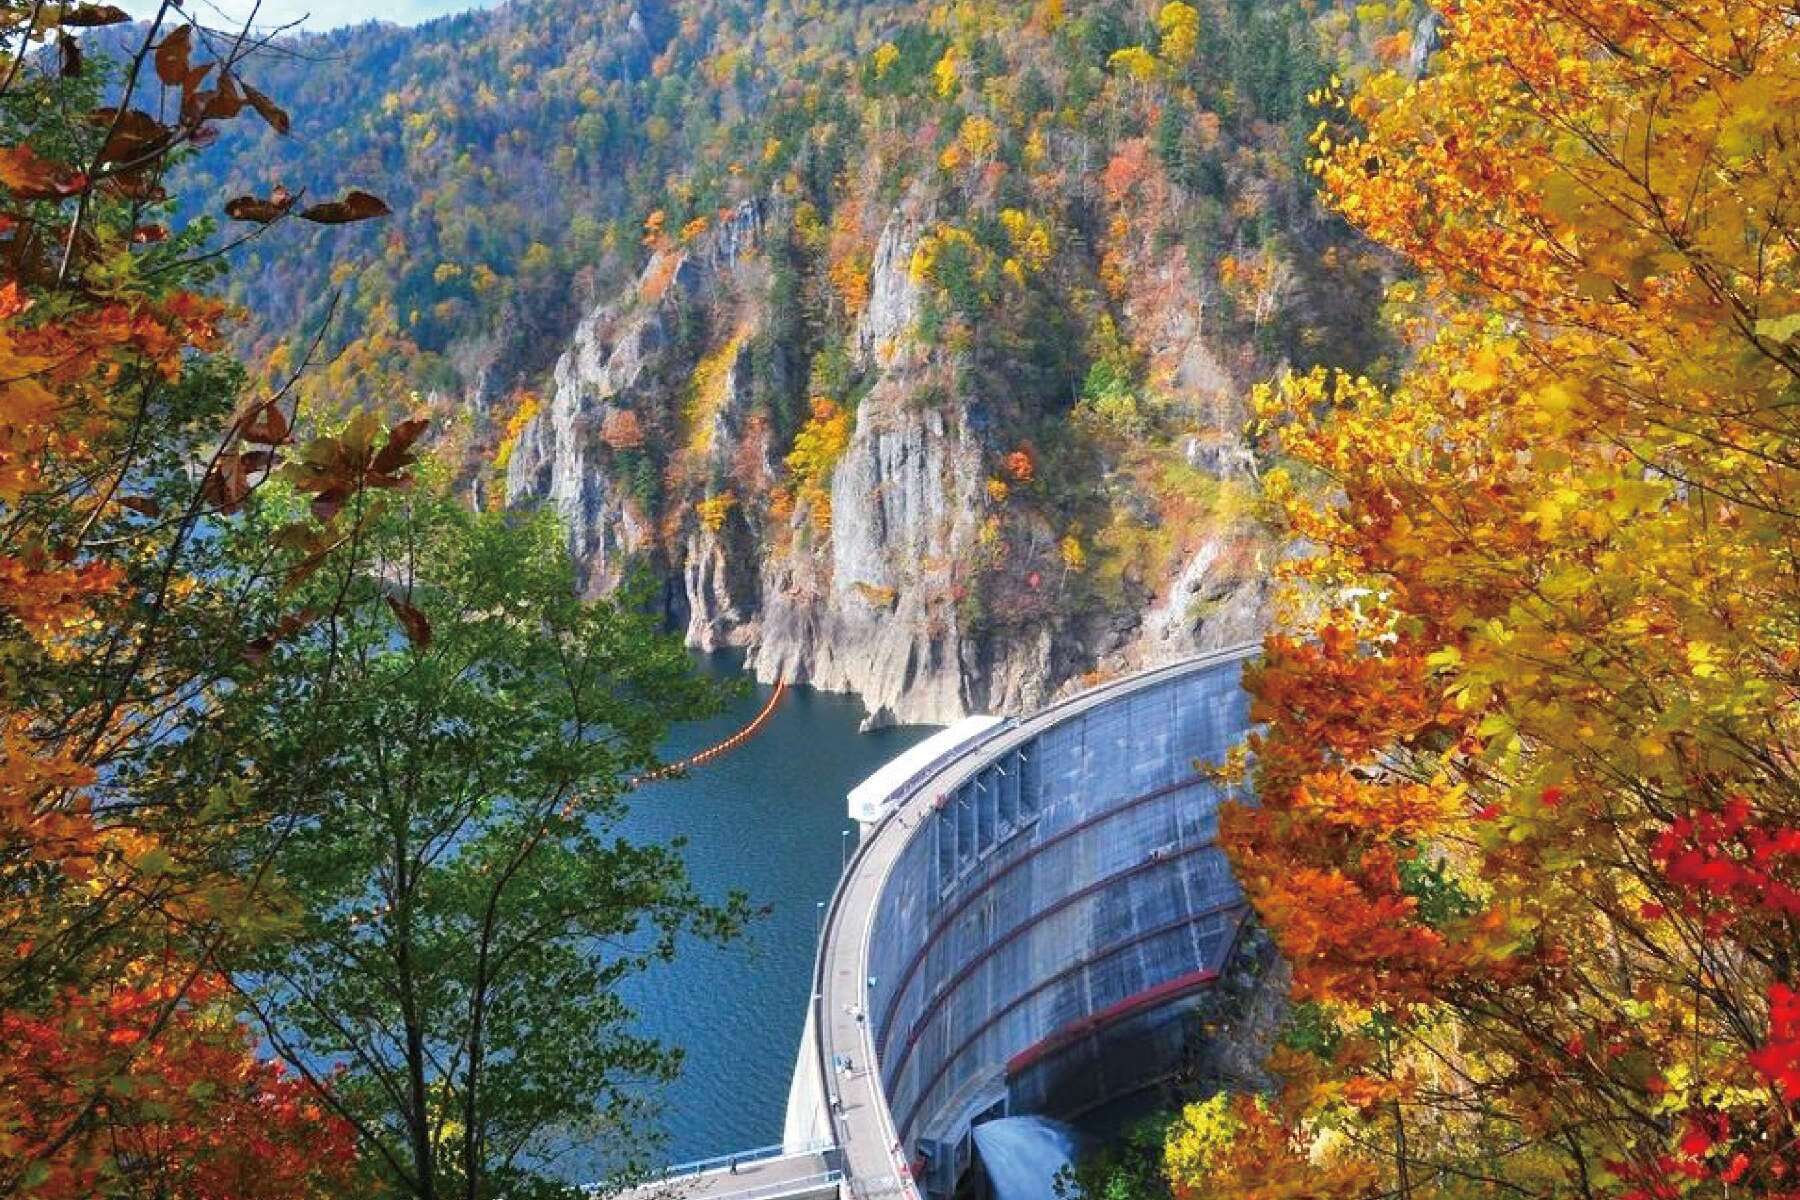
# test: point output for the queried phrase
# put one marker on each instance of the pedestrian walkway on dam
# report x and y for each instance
(1065, 872)
(768, 1173)
(875, 1163)
(847, 999)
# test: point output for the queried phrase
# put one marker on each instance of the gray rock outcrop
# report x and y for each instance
(878, 604)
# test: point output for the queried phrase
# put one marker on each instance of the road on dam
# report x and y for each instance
(747, 1177)
(840, 1138)
(873, 1162)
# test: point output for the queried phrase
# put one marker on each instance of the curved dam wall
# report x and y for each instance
(1054, 908)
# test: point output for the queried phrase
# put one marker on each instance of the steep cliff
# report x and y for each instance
(590, 451)
(654, 448)
(904, 346)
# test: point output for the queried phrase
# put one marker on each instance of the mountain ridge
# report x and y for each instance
(905, 345)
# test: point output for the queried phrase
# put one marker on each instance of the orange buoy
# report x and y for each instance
(725, 747)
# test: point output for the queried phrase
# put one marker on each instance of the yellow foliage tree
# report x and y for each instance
(818, 446)
(948, 73)
(1179, 25)
(1074, 554)
(979, 137)
(1030, 238)
(1528, 829)
(1135, 62)
(713, 510)
(707, 392)
(524, 412)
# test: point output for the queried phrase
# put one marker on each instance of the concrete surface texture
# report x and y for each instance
(1056, 881)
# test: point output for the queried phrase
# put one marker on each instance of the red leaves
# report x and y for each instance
(1128, 168)
(88, 16)
(398, 451)
(1736, 860)
(1778, 1059)
(268, 110)
(171, 57)
(1349, 940)
(118, 1079)
(131, 158)
(131, 136)
(228, 483)
(29, 176)
(355, 206)
(267, 425)
(1336, 697)
(186, 1108)
(1697, 1140)
(221, 104)
(295, 622)
(250, 208)
(68, 53)
(621, 429)
(136, 141)
(228, 100)
(331, 469)
(418, 629)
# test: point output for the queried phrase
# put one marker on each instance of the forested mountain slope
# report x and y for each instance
(902, 343)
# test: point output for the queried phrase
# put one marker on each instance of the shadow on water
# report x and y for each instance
(767, 818)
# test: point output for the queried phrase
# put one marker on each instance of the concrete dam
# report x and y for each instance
(1033, 908)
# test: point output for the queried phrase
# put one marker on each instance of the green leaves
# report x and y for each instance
(1780, 329)
(444, 825)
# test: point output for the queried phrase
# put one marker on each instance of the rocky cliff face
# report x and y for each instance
(871, 610)
(587, 451)
(655, 447)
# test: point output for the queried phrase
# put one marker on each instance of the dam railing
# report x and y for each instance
(742, 1158)
(717, 1178)
(805, 1185)
(873, 1159)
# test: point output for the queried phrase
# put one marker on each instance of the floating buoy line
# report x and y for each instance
(720, 749)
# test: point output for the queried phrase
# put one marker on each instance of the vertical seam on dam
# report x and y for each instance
(992, 881)
(1026, 996)
(1054, 885)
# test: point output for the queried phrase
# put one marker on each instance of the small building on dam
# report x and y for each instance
(1034, 908)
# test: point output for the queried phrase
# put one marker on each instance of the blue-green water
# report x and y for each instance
(768, 818)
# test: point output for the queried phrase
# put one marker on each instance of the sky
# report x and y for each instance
(319, 14)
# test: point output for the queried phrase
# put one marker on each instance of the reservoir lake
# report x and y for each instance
(768, 818)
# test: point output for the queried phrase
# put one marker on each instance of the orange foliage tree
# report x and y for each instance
(124, 1069)
(1529, 822)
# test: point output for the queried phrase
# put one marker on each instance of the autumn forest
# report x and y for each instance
(389, 414)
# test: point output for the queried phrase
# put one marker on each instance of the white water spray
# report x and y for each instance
(1022, 1155)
